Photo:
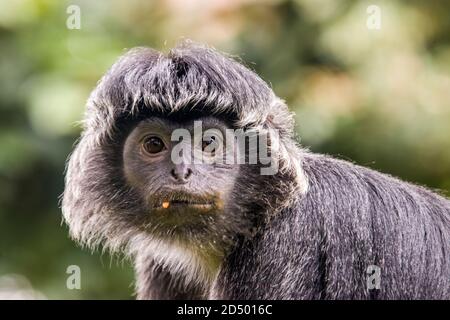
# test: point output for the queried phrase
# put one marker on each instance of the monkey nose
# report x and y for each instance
(181, 173)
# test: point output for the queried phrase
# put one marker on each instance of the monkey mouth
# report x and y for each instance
(185, 201)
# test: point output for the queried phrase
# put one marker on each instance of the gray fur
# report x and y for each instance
(308, 232)
(351, 217)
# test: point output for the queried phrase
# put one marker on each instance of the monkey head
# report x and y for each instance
(125, 190)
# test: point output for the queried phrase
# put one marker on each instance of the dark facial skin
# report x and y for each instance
(182, 194)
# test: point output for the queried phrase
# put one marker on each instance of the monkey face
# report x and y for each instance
(179, 170)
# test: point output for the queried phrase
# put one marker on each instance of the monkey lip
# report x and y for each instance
(188, 203)
(183, 203)
(179, 200)
(200, 204)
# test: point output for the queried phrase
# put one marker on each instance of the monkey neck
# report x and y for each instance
(210, 258)
(187, 262)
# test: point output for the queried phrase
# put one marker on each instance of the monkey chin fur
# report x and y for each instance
(199, 265)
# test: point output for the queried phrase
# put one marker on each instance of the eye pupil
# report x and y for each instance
(208, 141)
(153, 145)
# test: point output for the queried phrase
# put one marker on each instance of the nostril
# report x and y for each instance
(174, 174)
(181, 174)
(188, 173)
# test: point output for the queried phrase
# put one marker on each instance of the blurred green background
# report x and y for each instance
(378, 97)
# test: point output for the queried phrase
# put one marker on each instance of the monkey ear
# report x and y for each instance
(282, 121)
(279, 122)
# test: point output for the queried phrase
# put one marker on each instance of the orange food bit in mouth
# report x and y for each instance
(165, 204)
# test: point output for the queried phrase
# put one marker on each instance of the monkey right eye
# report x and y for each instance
(153, 145)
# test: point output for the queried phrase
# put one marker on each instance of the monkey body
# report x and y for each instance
(321, 247)
(312, 229)
(350, 218)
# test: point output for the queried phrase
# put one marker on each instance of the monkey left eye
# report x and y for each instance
(209, 144)
(153, 145)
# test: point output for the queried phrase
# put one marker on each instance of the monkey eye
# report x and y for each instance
(153, 145)
(209, 144)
